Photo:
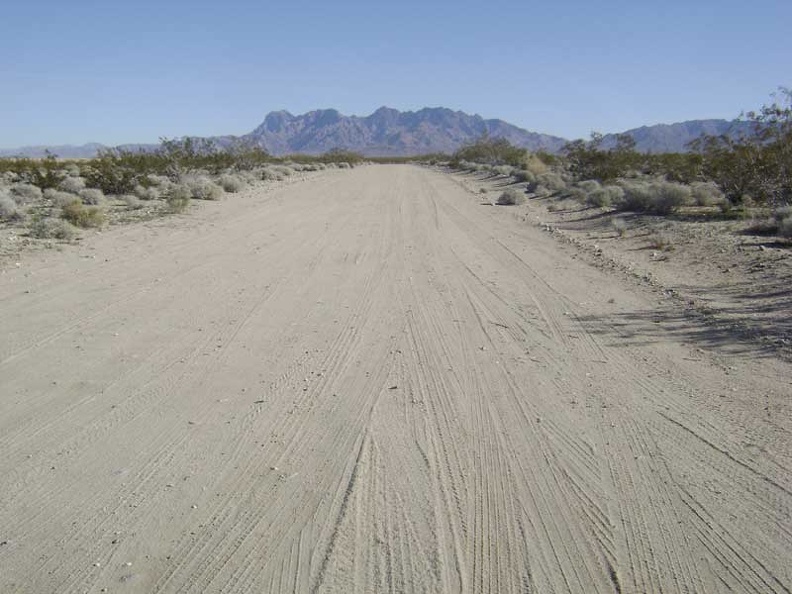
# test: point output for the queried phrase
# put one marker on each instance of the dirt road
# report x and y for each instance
(369, 382)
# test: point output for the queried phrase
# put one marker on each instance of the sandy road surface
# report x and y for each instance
(369, 382)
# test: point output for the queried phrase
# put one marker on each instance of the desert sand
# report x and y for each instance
(370, 382)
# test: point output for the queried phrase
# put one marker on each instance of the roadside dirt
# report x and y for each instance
(369, 381)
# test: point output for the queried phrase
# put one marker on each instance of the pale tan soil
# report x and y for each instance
(734, 279)
(369, 381)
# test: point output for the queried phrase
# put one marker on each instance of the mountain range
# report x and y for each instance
(389, 132)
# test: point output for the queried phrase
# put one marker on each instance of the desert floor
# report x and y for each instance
(369, 381)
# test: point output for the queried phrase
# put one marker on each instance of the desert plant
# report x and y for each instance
(231, 183)
(178, 197)
(599, 197)
(202, 188)
(58, 198)
(523, 175)
(92, 196)
(83, 216)
(25, 193)
(51, 228)
(9, 209)
(72, 185)
(782, 217)
(552, 181)
(619, 226)
(146, 193)
(706, 193)
(511, 197)
(659, 197)
(131, 201)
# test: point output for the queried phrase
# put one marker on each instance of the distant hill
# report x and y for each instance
(675, 138)
(389, 132)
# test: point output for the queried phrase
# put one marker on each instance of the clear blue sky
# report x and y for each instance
(114, 72)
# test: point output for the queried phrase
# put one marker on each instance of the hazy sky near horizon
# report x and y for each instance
(117, 72)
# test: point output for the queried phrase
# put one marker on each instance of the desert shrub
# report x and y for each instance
(93, 196)
(511, 197)
(72, 185)
(605, 196)
(783, 221)
(206, 190)
(178, 197)
(344, 165)
(493, 151)
(534, 163)
(272, 174)
(51, 228)
(9, 210)
(71, 169)
(523, 175)
(619, 226)
(231, 183)
(25, 193)
(506, 170)
(589, 185)
(706, 193)
(58, 198)
(202, 188)
(131, 201)
(659, 197)
(552, 181)
(83, 216)
(599, 197)
(9, 177)
(146, 193)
